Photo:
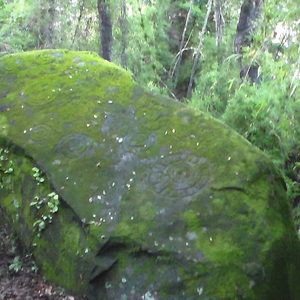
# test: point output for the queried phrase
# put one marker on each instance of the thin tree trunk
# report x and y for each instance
(182, 44)
(78, 21)
(199, 48)
(219, 22)
(124, 30)
(105, 29)
(86, 31)
(47, 32)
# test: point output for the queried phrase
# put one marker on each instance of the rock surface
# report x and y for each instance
(122, 194)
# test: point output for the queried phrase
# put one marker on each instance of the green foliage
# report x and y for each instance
(49, 206)
(16, 265)
(37, 175)
(6, 168)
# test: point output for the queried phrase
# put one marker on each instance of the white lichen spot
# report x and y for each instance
(99, 197)
(98, 164)
(173, 130)
(88, 125)
(111, 218)
(145, 146)
(53, 91)
(229, 158)
(192, 236)
(132, 217)
(113, 184)
(103, 236)
(124, 280)
(166, 132)
(70, 76)
(95, 116)
(59, 89)
(187, 244)
(98, 102)
(197, 144)
(251, 284)
(171, 238)
(67, 178)
(25, 131)
(131, 179)
(147, 296)
(128, 186)
(210, 238)
(74, 182)
(200, 291)
(30, 129)
(94, 216)
(171, 146)
(161, 156)
(22, 106)
(90, 199)
(71, 89)
(236, 173)
(120, 140)
(133, 173)
(104, 193)
(156, 243)
(86, 250)
(86, 70)
(110, 102)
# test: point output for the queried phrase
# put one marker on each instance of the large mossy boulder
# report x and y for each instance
(122, 194)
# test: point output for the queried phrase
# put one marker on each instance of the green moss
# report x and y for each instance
(149, 188)
(3, 126)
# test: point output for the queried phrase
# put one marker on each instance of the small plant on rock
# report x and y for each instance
(49, 206)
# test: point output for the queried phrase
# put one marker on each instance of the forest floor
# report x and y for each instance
(19, 277)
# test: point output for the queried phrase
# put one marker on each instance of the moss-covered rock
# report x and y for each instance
(122, 194)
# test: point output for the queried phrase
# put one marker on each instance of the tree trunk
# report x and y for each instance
(247, 25)
(182, 44)
(105, 29)
(199, 48)
(123, 30)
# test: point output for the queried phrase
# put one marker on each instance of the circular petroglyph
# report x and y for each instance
(40, 134)
(177, 175)
(75, 145)
(43, 89)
